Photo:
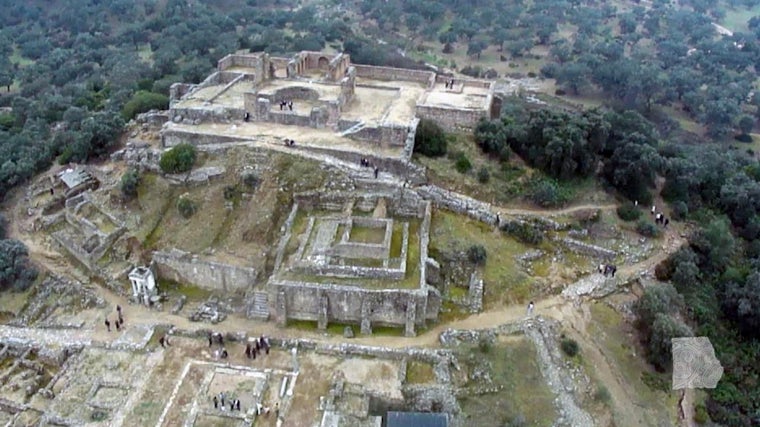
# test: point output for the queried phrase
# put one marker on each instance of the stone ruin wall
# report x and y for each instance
(259, 62)
(326, 303)
(402, 202)
(451, 119)
(388, 135)
(389, 73)
(483, 84)
(350, 304)
(172, 138)
(183, 267)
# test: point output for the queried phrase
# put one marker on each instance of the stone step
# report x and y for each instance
(259, 308)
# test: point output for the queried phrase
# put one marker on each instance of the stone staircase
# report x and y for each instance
(259, 308)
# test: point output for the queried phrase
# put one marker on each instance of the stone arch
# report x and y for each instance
(323, 63)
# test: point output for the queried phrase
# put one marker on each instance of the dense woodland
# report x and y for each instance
(73, 73)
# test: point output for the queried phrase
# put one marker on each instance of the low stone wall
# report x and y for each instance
(588, 249)
(233, 60)
(288, 118)
(185, 268)
(206, 114)
(452, 119)
(458, 203)
(386, 134)
(400, 202)
(388, 73)
(178, 90)
(172, 138)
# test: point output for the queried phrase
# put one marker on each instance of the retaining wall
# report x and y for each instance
(183, 267)
(452, 119)
(389, 73)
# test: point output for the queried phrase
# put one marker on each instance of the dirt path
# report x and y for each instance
(550, 213)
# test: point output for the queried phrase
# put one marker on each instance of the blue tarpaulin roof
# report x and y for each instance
(417, 419)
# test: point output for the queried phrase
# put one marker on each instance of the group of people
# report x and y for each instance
(290, 142)
(286, 104)
(450, 84)
(259, 345)
(365, 163)
(608, 269)
(119, 323)
(219, 402)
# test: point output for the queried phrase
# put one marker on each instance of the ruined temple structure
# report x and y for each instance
(143, 284)
(351, 110)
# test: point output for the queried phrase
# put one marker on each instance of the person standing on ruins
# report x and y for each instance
(216, 403)
(377, 171)
(108, 325)
(530, 308)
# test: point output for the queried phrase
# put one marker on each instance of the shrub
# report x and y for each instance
(186, 206)
(570, 347)
(656, 382)
(647, 228)
(628, 212)
(251, 180)
(462, 164)
(700, 414)
(657, 299)
(129, 182)
(485, 345)
(477, 254)
(143, 101)
(743, 137)
(523, 231)
(16, 271)
(179, 159)
(231, 192)
(680, 210)
(483, 175)
(602, 394)
(663, 330)
(430, 139)
(3, 226)
(547, 193)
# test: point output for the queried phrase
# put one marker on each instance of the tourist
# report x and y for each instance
(162, 341)
(667, 221)
(601, 269)
(277, 410)
(247, 116)
(259, 408)
(377, 171)
(290, 105)
(237, 404)
(108, 325)
(248, 350)
(216, 403)
(613, 270)
(530, 308)
(654, 209)
(118, 325)
(225, 354)
(210, 340)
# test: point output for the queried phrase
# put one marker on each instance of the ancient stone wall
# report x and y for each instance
(178, 90)
(458, 203)
(389, 73)
(385, 134)
(170, 139)
(350, 304)
(288, 118)
(185, 268)
(206, 114)
(452, 119)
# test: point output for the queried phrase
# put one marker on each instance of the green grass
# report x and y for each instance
(736, 19)
(514, 367)
(419, 373)
(506, 181)
(193, 293)
(505, 282)
(361, 234)
(16, 58)
(611, 336)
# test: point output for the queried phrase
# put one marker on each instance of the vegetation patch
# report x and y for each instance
(524, 395)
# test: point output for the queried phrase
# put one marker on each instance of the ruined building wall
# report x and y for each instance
(389, 73)
(183, 267)
(350, 304)
(451, 119)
